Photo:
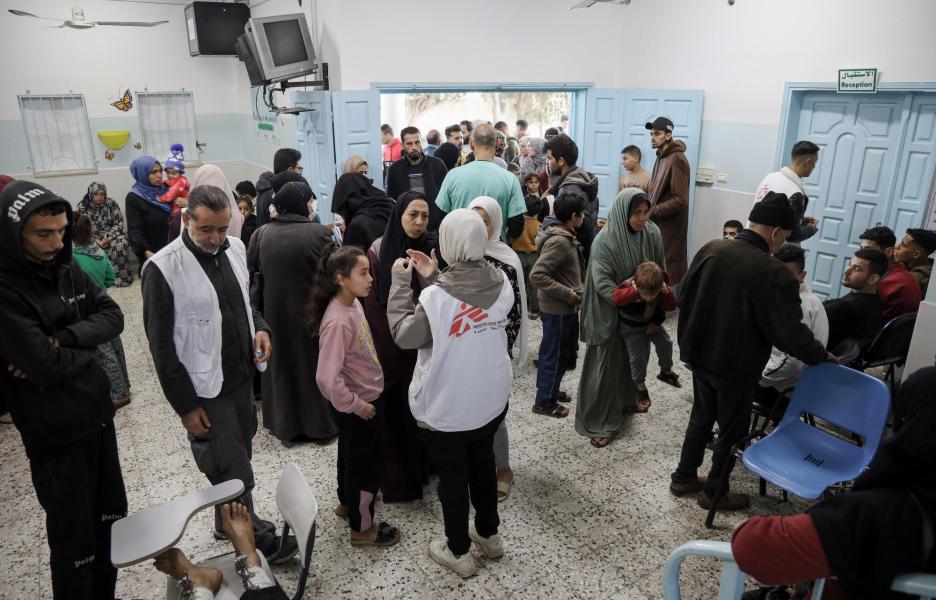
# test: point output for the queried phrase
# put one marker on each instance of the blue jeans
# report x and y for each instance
(556, 352)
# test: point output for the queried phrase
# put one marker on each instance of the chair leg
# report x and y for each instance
(763, 487)
(721, 487)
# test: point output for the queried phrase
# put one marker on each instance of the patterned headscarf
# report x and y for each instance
(96, 187)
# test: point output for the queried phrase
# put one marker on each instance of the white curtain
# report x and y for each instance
(168, 118)
(58, 134)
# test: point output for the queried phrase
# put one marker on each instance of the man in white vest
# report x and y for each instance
(207, 341)
(789, 181)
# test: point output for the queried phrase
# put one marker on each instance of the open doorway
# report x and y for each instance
(438, 110)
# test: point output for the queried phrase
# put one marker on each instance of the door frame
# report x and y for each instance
(793, 102)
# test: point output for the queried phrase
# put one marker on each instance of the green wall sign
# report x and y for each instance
(857, 81)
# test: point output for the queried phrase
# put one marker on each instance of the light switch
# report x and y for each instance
(723, 177)
(705, 175)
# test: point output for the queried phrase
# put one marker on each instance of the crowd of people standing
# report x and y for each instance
(446, 264)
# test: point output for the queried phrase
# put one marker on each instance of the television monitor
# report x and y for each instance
(213, 27)
(282, 46)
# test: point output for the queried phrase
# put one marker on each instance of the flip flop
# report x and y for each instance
(556, 410)
(563, 397)
(386, 536)
(503, 487)
(594, 442)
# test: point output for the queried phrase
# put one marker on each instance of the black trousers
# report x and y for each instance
(224, 453)
(715, 400)
(464, 461)
(360, 464)
(82, 491)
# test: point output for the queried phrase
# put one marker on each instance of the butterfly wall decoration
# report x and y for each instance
(125, 103)
(138, 145)
(108, 154)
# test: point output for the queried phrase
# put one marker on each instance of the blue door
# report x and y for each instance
(357, 129)
(316, 141)
(616, 118)
(860, 140)
(914, 171)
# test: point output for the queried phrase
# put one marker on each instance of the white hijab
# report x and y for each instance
(505, 254)
(212, 175)
(461, 236)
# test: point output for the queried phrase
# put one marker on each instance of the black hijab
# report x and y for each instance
(364, 207)
(448, 153)
(395, 244)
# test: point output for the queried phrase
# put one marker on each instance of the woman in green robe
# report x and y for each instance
(606, 391)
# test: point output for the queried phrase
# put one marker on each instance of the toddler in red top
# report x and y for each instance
(175, 174)
(642, 303)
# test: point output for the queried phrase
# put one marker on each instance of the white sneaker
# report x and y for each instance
(493, 547)
(464, 565)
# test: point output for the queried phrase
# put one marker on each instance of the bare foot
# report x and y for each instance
(235, 518)
(174, 563)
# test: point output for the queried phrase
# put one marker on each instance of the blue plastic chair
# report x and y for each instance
(805, 460)
(731, 581)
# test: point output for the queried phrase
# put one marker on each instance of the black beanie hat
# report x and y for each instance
(293, 199)
(281, 179)
(774, 210)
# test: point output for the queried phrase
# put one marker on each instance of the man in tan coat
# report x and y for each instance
(669, 195)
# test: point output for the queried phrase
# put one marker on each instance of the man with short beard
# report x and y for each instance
(417, 172)
(207, 341)
(858, 314)
(669, 195)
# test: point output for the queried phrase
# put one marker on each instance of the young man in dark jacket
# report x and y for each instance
(54, 319)
(562, 153)
(557, 275)
(736, 285)
(418, 172)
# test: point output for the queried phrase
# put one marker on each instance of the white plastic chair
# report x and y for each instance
(299, 508)
(731, 584)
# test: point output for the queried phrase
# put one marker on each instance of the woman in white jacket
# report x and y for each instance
(462, 379)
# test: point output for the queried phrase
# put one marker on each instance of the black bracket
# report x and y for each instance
(323, 82)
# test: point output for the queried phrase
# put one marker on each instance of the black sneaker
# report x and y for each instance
(282, 553)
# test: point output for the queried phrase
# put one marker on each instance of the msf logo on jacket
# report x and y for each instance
(21, 201)
(463, 321)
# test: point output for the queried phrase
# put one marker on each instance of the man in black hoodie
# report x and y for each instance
(285, 159)
(562, 153)
(54, 319)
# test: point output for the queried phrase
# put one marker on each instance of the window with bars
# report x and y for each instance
(168, 118)
(58, 134)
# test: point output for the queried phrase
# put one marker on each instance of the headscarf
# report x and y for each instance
(354, 163)
(95, 187)
(615, 254)
(284, 177)
(395, 243)
(448, 153)
(636, 202)
(356, 196)
(536, 163)
(212, 175)
(293, 199)
(140, 169)
(462, 236)
(497, 249)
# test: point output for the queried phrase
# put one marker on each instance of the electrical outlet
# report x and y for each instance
(723, 177)
(705, 175)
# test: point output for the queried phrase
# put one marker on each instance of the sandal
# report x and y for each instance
(386, 536)
(503, 487)
(670, 379)
(594, 442)
(341, 511)
(643, 402)
(563, 397)
(554, 410)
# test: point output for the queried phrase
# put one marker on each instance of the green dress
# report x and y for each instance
(606, 389)
(110, 355)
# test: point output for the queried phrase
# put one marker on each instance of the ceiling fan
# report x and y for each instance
(78, 20)
(588, 3)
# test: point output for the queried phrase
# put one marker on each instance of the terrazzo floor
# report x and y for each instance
(581, 522)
